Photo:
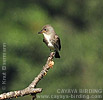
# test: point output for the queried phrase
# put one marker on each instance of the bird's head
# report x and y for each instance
(47, 29)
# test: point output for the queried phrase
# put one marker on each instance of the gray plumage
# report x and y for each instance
(51, 39)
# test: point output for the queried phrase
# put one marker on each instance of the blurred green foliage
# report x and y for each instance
(79, 25)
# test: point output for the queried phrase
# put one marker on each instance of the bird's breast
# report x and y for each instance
(48, 39)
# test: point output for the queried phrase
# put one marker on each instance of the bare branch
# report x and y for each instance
(19, 93)
(44, 71)
(31, 88)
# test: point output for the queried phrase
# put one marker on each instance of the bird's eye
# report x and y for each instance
(45, 29)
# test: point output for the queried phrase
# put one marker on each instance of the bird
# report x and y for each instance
(51, 39)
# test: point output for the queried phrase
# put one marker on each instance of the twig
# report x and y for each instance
(31, 88)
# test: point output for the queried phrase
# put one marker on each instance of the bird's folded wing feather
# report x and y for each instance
(45, 41)
(56, 42)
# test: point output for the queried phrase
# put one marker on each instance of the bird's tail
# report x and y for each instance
(57, 54)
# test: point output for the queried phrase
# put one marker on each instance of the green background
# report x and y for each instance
(78, 23)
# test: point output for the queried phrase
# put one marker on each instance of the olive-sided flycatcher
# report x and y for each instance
(51, 39)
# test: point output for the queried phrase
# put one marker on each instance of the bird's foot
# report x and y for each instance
(51, 63)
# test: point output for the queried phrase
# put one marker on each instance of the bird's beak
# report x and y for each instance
(42, 31)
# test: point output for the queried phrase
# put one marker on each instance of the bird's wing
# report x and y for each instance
(45, 41)
(57, 43)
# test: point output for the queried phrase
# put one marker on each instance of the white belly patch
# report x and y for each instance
(50, 45)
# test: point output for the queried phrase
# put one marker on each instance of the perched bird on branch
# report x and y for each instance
(51, 39)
